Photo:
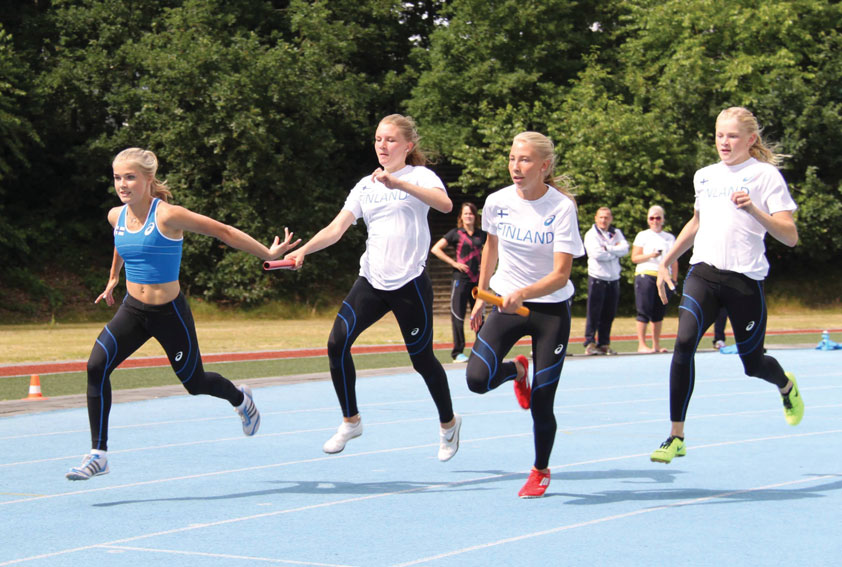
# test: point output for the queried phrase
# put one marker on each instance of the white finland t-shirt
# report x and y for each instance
(728, 238)
(528, 233)
(398, 235)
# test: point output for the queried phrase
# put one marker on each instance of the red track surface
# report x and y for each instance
(39, 368)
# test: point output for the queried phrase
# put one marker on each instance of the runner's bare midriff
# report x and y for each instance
(154, 294)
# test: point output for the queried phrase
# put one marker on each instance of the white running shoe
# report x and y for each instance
(347, 430)
(248, 412)
(449, 440)
(92, 465)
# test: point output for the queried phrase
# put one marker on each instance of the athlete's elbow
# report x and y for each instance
(791, 239)
(228, 234)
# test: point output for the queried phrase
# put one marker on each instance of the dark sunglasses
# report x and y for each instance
(654, 218)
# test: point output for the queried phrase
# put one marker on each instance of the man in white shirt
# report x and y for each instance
(605, 245)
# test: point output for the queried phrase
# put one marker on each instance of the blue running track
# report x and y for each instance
(187, 488)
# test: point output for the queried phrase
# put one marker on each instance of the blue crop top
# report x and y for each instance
(150, 257)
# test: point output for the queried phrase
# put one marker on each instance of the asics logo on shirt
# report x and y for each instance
(750, 326)
(149, 229)
(178, 356)
(414, 331)
(549, 221)
(558, 349)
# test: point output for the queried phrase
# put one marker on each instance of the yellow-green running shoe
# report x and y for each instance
(672, 447)
(793, 404)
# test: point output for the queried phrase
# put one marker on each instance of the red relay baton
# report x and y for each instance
(278, 264)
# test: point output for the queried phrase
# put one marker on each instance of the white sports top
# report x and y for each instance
(528, 233)
(650, 241)
(398, 235)
(728, 238)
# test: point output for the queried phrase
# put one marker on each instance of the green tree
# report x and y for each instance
(16, 135)
(490, 55)
(261, 113)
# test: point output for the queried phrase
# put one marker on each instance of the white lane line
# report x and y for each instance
(614, 517)
(229, 521)
(332, 408)
(394, 450)
(561, 410)
(219, 555)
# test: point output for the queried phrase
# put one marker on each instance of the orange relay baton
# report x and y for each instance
(495, 300)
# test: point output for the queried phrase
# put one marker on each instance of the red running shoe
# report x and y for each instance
(523, 387)
(536, 485)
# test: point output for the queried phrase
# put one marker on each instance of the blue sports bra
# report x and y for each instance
(149, 256)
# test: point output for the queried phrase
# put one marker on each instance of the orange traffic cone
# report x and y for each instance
(35, 389)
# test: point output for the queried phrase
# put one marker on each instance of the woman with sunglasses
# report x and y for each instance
(648, 248)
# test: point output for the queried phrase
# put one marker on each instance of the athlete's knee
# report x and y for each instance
(543, 419)
(424, 361)
(196, 385)
(683, 351)
(96, 368)
(97, 371)
(759, 366)
(336, 344)
(477, 378)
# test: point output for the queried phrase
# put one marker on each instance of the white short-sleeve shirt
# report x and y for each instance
(398, 235)
(650, 241)
(729, 238)
(528, 234)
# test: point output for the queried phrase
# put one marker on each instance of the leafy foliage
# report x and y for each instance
(262, 111)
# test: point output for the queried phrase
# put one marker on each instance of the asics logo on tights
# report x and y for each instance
(558, 349)
(750, 326)
(414, 331)
(178, 356)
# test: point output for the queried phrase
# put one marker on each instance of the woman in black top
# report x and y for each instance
(468, 240)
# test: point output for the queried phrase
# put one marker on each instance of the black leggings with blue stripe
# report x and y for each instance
(549, 326)
(412, 305)
(706, 289)
(135, 323)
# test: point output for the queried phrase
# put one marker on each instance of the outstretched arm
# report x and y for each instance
(327, 236)
(178, 218)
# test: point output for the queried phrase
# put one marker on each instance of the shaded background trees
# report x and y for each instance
(262, 113)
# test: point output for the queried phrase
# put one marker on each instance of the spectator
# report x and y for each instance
(648, 248)
(468, 240)
(605, 245)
